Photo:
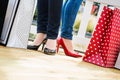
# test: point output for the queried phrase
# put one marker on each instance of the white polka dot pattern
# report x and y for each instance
(105, 44)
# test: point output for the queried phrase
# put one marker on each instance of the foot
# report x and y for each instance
(50, 48)
(37, 42)
(51, 44)
(38, 39)
(69, 45)
(49, 51)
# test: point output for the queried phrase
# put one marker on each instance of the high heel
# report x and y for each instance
(35, 47)
(67, 52)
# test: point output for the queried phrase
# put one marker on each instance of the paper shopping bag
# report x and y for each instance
(104, 45)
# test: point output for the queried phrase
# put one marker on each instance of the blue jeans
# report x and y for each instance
(49, 14)
(69, 13)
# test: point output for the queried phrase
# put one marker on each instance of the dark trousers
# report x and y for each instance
(49, 14)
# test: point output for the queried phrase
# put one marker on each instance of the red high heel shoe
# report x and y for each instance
(67, 52)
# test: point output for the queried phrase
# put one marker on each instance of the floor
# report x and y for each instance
(22, 64)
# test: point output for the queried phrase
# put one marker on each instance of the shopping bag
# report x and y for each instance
(104, 45)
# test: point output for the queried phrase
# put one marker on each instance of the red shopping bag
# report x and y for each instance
(104, 45)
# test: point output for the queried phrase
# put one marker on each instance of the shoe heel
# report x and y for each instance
(43, 45)
(58, 45)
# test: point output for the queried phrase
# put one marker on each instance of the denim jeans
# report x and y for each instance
(49, 14)
(69, 13)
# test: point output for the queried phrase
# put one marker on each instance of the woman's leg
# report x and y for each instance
(69, 13)
(54, 15)
(42, 21)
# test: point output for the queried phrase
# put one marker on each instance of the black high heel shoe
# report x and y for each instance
(49, 51)
(34, 47)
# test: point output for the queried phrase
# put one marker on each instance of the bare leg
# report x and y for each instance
(39, 38)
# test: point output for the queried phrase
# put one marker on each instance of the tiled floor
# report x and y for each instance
(21, 64)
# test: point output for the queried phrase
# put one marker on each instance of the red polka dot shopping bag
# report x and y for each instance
(104, 45)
